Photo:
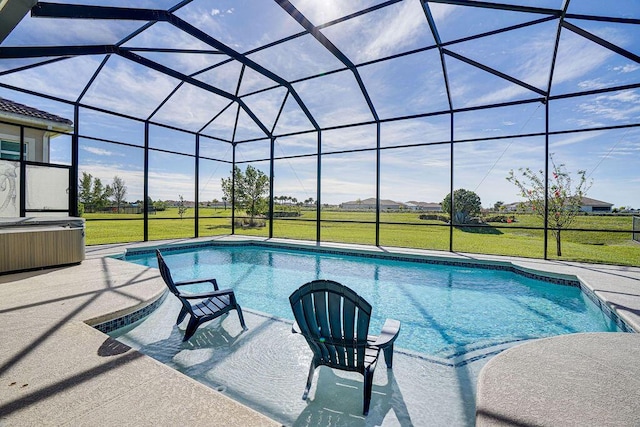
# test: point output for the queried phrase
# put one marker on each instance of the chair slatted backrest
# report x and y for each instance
(166, 274)
(335, 322)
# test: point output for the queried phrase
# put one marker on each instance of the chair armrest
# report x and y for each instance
(389, 333)
(219, 293)
(193, 282)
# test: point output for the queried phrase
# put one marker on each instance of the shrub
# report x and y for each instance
(501, 218)
(244, 222)
(466, 204)
(434, 217)
(160, 206)
(286, 214)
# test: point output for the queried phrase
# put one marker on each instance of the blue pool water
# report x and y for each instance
(445, 310)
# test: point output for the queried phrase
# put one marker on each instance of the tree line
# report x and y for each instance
(94, 196)
(557, 197)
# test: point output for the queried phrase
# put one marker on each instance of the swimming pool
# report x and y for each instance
(445, 310)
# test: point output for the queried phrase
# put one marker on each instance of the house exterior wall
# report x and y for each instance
(358, 206)
(367, 206)
(37, 141)
(595, 208)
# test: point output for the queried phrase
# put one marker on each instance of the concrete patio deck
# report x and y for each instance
(57, 370)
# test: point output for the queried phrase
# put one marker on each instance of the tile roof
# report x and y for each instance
(586, 201)
(9, 106)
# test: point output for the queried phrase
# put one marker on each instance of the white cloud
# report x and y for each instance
(533, 59)
(596, 83)
(61, 32)
(624, 96)
(335, 99)
(53, 79)
(190, 108)
(399, 30)
(167, 185)
(621, 106)
(441, 11)
(100, 151)
(292, 119)
(266, 105)
(628, 68)
(381, 33)
(130, 89)
(571, 139)
(571, 66)
(510, 92)
(336, 190)
(568, 68)
(202, 19)
(323, 11)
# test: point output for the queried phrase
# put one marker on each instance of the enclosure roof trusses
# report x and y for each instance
(243, 71)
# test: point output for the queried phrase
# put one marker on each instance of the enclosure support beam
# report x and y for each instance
(75, 159)
(545, 236)
(145, 204)
(38, 52)
(318, 186)
(500, 6)
(233, 188)
(11, 13)
(324, 41)
(494, 72)
(436, 36)
(546, 181)
(23, 175)
(271, 182)
(378, 164)
(54, 10)
(451, 184)
(197, 187)
(602, 42)
(320, 37)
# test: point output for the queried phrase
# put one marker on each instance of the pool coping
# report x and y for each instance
(576, 379)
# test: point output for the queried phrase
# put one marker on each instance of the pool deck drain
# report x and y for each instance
(55, 369)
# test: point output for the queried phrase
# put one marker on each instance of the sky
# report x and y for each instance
(399, 87)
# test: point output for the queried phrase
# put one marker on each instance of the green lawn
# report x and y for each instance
(411, 232)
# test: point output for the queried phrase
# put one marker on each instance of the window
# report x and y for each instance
(10, 150)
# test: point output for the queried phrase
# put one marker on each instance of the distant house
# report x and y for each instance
(587, 205)
(42, 127)
(218, 205)
(593, 205)
(370, 204)
(176, 203)
(424, 206)
(513, 207)
(390, 205)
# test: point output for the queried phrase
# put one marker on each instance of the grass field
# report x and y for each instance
(594, 245)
